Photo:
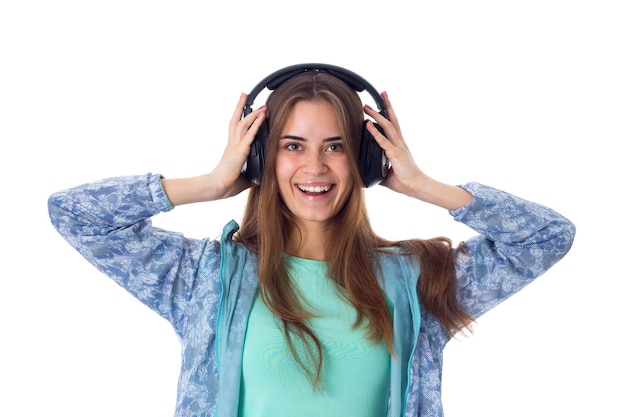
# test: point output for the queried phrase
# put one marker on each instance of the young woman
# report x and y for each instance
(304, 310)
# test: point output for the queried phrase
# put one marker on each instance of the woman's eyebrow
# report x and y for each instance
(300, 138)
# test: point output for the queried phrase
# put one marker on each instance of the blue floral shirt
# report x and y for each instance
(205, 288)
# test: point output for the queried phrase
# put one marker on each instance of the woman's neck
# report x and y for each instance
(308, 241)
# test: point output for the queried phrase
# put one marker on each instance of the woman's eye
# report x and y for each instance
(335, 147)
(293, 146)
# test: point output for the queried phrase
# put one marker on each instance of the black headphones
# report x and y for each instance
(373, 163)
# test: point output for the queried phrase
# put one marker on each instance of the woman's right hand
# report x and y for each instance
(241, 133)
(226, 179)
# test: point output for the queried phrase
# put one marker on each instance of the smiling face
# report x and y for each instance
(312, 166)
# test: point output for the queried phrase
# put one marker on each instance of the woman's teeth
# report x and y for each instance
(314, 189)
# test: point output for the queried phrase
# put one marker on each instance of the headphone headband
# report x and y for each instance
(355, 81)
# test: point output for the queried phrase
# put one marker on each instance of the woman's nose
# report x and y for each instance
(315, 163)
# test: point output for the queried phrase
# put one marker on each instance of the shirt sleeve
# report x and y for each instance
(108, 222)
(518, 241)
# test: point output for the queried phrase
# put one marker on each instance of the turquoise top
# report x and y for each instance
(355, 373)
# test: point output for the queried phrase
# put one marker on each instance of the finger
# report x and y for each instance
(389, 129)
(245, 127)
(254, 124)
(391, 113)
(252, 119)
(239, 109)
(381, 139)
(243, 122)
(378, 118)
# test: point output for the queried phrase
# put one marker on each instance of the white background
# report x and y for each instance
(525, 96)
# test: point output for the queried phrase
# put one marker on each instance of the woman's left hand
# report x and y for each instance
(405, 176)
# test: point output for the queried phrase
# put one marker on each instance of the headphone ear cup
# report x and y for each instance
(253, 169)
(373, 163)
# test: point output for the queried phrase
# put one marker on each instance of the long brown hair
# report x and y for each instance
(267, 224)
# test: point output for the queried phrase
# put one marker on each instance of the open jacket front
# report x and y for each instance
(205, 287)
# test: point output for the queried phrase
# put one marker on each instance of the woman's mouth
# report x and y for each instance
(314, 189)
